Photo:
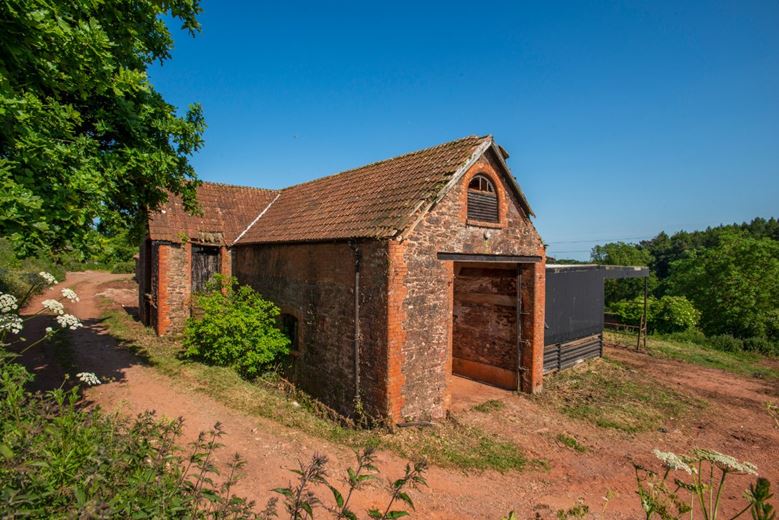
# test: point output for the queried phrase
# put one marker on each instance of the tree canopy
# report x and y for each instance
(85, 139)
(730, 273)
(735, 285)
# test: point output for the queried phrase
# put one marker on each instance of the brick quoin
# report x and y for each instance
(396, 335)
(163, 305)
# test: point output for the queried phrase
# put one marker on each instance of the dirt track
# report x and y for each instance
(734, 422)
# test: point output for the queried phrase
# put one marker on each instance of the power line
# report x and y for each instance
(643, 237)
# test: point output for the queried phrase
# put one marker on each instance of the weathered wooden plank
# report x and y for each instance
(502, 300)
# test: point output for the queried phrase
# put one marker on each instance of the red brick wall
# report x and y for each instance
(173, 286)
(315, 282)
(426, 352)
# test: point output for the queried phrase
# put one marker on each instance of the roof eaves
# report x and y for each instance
(242, 233)
(499, 154)
(477, 153)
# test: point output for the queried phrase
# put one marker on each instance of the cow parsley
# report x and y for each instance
(48, 277)
(726, 463)
(10, 323)
(54, 306)
(8, 303)
(68, 321)
(672, 461)
(70, 295)
(89, 378)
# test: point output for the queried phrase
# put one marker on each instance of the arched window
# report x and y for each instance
(482, 200)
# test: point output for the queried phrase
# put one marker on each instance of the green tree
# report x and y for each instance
(735, 285)
(84, 136)
(621, 253)
(666, 314)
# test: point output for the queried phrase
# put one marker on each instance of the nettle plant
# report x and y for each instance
(669, 498)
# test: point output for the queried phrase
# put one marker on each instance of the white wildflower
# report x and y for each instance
(11, 323)
(68, 321)
(70, 295)
(54, 306)
(672, 461)
(89, 378)
(8, 303)
(49, 331)
(48, 277)
(726, 462)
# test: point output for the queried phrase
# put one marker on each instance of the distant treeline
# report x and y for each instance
(729, 273)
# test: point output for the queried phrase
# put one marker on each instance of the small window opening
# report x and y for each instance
(481, 183)
(289, 326)
(482, 200)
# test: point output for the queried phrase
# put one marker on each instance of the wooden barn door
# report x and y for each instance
(205, 264)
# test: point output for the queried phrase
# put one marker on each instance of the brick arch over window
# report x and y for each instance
(483, 199)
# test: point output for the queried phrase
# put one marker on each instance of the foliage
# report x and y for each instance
(12, 323)
(60, 460)
(84, 136)
(667, 314)
(730, 274)
(665, 249)
(662, 497)
(620, 253)
(300, 500)
(735, 285)
(19, 276)
(237, 328)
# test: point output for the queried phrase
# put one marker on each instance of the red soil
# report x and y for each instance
(735, 422)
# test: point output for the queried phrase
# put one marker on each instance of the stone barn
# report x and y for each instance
(392, 278)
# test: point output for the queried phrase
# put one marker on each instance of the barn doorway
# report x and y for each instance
(487, 322)
(205, 264)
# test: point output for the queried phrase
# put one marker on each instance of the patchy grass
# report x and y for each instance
(773, 412)
(571, 442)
(460, 445)
(611, 395)
(493, 405)
(446, 444)
(743, 363)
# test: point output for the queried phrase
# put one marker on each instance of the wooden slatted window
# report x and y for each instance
(482, 200)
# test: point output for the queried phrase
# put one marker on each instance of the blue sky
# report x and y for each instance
(622, 118)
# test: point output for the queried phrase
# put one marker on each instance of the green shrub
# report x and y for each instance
(236, 327)
(726, 343)
(18, 276)
(695, 336)
(127, 266)
(762, 346)
(58, 460)
(665, 315)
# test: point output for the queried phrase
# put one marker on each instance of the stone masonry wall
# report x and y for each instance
(315, 283)
(427, 335)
